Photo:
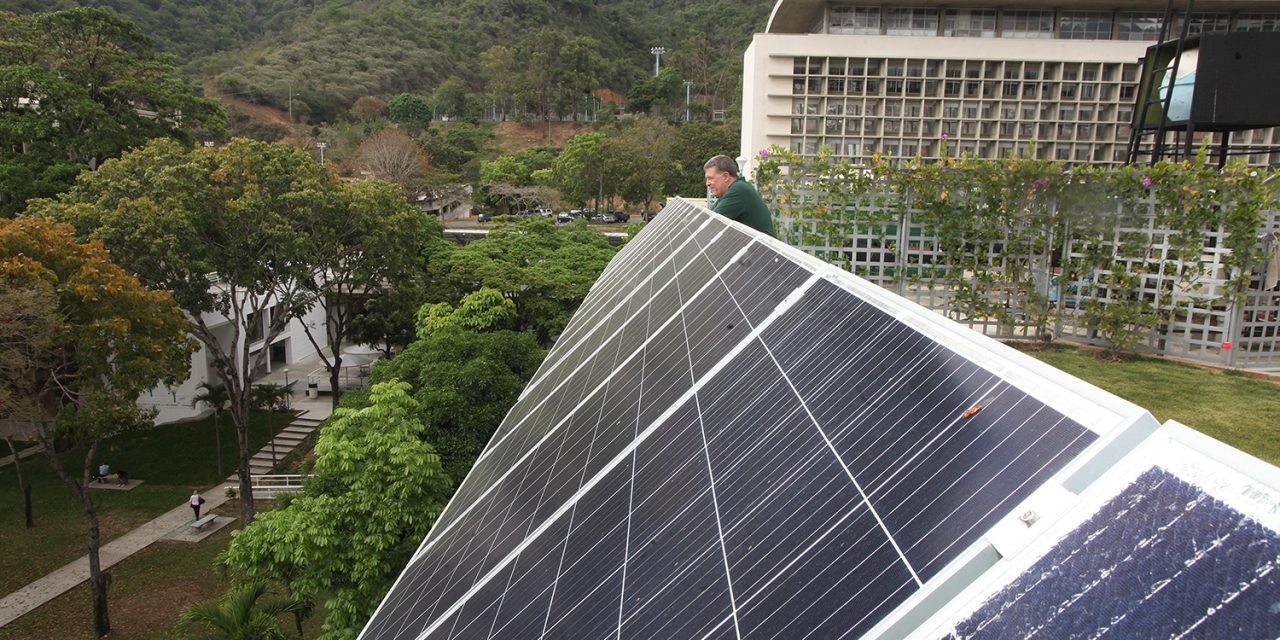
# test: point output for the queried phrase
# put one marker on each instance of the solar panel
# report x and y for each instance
(1173, 543)
(732, 439)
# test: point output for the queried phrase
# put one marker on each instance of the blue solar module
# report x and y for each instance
(732, 440)
(1185, 548)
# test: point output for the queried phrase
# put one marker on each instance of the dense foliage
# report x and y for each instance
(332, 52)
(377, 489)
(994, 223)
(78, 87)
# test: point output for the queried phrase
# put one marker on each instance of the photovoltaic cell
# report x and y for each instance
(1173, 552)
(731, 440)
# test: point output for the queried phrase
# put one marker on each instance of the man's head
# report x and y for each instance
(720, 171)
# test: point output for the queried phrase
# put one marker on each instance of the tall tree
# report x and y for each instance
(113, 340)
(579, 171)
(230, 230)
(410, 111)
(28, 332)
(390, 154)
(640, 157)
(375, 242)
(378, 487)
(80, 86)
(496, 64)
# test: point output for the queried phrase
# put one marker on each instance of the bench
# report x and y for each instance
(203, 523)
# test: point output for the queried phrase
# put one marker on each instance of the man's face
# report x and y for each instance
(717, 181)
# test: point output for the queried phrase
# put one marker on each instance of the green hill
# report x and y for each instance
(333, 51)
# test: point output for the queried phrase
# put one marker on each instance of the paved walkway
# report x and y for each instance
(72, 575)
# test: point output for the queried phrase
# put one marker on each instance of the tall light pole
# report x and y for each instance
(657, 59)
(687, 84)
(321, 146)
(290, 102)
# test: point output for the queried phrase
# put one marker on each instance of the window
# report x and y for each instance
(1068, 91)
(861, 21)
(1085, 25)
(835, 85)
(969, 23)
(835, 67)
(1258, 22)
(1138, 25)
(835, 108)
(833, 126)
(1208, 23)
(911, 22)
(1027, 24)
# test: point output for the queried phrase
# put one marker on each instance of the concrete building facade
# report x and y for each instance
(935, 79)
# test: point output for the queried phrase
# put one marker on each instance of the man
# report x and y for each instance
(737, 199)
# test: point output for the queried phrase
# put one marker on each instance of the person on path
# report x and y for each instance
(195, 502)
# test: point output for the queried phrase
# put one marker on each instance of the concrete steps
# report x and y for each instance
(286, 440)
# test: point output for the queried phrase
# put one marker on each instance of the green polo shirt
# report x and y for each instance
(743, 203)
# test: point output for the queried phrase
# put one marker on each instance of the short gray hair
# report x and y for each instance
(723, 164)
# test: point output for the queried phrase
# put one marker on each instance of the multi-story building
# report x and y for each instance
(987, 79)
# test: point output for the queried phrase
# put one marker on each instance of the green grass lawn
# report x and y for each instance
(1241, 411)
(171, 460)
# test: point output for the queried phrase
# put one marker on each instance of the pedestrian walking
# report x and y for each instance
(195, 502)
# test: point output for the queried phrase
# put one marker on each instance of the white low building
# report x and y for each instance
(291, 346)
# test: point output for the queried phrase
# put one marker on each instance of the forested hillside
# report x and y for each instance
(331, 52)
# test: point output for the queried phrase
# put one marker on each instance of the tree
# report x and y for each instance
(378, 487)
(465, 381)
(640, 156)
(376, 242)
(80, 86)
(217, 398)
(112, 341)
(482, 310)
(410, 111)
(579, 171)
(577, 74)
(243, 613)
(452, 98)
(229, 230)
(496, 64)
(367, 108)
(28, 330)
(544, 269)
(390, 154)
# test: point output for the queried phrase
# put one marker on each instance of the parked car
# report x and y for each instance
(484, 216)
(567, 216)
(544, 212)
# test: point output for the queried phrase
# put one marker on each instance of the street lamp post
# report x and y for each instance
(321, 146)
(657, 59)
(687, 84)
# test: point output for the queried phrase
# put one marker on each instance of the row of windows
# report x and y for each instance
(838, 67)
(958, 88)
(1034, 23)
(985, 110)
(956, 129)
(908, 149)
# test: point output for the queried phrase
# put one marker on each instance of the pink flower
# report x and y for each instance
(764, 154)
(944, 135)
(1146, 181)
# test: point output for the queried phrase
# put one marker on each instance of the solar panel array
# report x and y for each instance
(732, 440)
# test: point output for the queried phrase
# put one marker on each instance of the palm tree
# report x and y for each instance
(217, 398)
(240, 614)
